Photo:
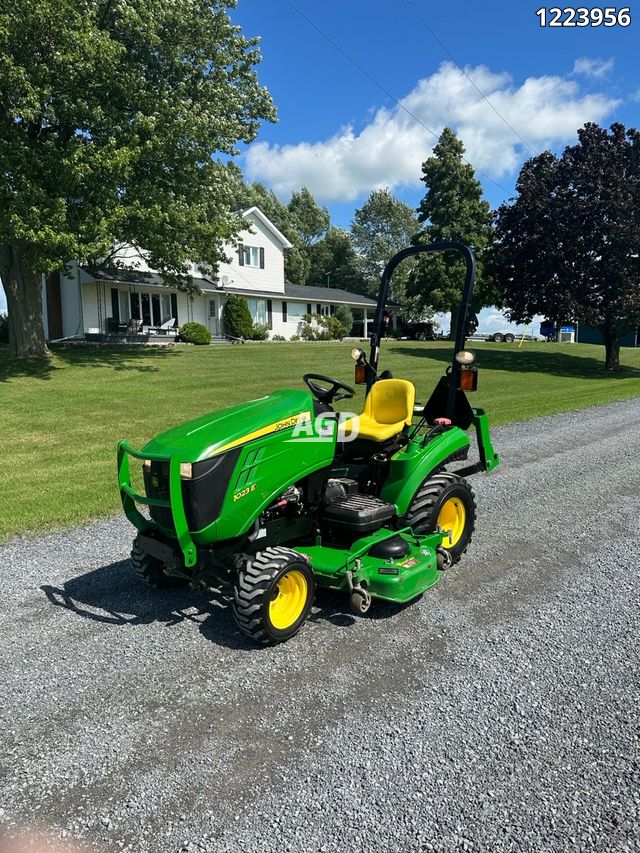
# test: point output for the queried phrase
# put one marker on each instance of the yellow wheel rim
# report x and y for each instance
(452, 518)
(289, 599)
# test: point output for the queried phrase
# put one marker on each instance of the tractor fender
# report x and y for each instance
(411, 466)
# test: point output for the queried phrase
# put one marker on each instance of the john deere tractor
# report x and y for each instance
(270, 499)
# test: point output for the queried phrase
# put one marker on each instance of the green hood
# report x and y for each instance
(215, 432)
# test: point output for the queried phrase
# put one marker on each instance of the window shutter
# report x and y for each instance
(115, 305)
(262, 260)
(284, 312)
(241, 254)
(269, 313)
(332, 310)
(308, 308)
(318, 308)
(174, 308)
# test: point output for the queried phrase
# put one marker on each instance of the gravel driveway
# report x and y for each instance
(500, 712)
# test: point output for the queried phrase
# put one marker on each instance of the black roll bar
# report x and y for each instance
(463, 313)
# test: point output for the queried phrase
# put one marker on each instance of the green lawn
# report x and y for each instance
(60, 421)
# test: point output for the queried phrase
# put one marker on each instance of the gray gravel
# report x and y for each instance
(500, 712)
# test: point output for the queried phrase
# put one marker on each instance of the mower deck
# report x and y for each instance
(400, 578)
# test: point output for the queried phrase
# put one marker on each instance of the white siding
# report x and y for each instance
(271, 278)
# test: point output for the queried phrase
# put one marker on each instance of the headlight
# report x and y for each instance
(357, 353)
(465, 357)
(186, 470)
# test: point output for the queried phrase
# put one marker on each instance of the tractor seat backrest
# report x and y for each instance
(390, 401)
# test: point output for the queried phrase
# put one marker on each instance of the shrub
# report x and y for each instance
(259, 332)
(316, 327)
(278, 338)
(344, 315)
(195, 333)
(236, 317)
(294, 338)
(4, 329)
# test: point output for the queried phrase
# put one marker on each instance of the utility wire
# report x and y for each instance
(462, 71)
(386, 91)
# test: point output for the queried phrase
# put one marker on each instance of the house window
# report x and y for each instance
(123, 301)
(284, 312)
(251, 256)
(165, 302)
(258, 310)
(212, 307)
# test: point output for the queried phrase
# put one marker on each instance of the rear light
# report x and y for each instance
(361, 374)
(468, 379)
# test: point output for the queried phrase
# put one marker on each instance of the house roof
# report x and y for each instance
(315, 293)
(299, 292)
(268, 224)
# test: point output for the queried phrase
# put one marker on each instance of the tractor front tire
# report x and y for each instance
(273, 595)
(150, 570)
(446, 502)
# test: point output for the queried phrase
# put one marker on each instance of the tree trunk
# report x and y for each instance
(611, 338)
(24, 304)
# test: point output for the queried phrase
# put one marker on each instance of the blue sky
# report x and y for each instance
(342, 132)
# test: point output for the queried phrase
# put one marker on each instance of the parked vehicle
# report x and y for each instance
(510, 337)
(238, 504)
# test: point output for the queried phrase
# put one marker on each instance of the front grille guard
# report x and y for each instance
(130, 498)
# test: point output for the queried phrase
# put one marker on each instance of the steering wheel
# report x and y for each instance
(328, 395)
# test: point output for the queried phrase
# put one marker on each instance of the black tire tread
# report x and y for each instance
(150, 571)
(250, 591)
(421, 513)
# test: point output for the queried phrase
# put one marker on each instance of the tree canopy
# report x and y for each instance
(452, 209)
(334, 263)
(568, 244)
(380, 228)
(112, 114)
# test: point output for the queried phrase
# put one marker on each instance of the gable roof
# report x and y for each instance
(268, 224)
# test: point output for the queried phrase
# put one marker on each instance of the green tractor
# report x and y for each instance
(270, 499)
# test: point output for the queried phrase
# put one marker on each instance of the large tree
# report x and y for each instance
(334, 263)
(110, 114)
(452, 209)
(568, 245)
(309, 218)
(380, 228)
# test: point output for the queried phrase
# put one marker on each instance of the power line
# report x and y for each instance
(386, 91)
(462, 71)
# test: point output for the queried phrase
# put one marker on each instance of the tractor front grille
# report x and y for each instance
(202, 495)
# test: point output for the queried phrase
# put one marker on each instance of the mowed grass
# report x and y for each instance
(60, 420)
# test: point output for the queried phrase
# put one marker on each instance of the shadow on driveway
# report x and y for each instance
(112, 595)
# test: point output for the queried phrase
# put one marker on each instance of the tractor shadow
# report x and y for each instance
(546, 359)
(113, 596)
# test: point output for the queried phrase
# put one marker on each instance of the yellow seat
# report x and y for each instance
(388, 408)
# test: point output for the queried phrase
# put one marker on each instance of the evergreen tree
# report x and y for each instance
(452, 209)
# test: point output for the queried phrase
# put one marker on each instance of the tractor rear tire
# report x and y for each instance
(445, 499)
(150, 570)
(273, 595)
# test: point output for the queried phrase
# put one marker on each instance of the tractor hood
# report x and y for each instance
(216, 432)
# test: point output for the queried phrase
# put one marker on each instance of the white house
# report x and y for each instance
(134, 304)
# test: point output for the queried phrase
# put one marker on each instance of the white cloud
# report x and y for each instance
(592, 67)
(390, 149)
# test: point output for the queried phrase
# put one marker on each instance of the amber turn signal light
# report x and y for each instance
(468, 379)
(361, 374)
